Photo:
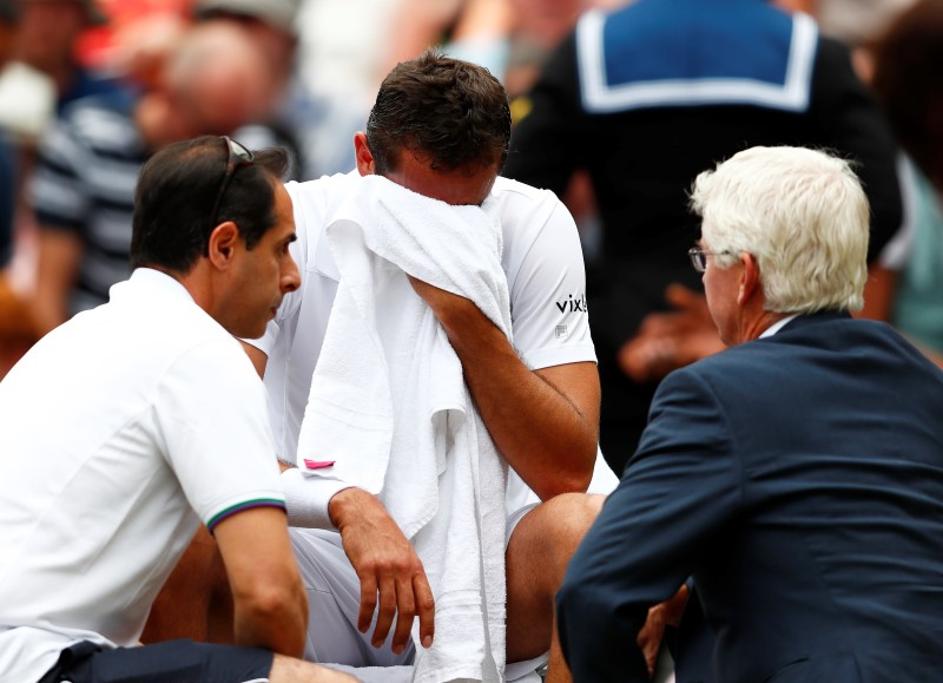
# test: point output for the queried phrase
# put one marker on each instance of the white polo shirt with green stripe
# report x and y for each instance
(120, 432)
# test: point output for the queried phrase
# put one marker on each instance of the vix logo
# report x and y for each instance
(573, 305)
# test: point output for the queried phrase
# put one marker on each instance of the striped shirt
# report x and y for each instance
(84, 183)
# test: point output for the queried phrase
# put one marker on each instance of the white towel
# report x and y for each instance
(389, 406)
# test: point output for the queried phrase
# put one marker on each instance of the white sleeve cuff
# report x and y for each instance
(307, 498)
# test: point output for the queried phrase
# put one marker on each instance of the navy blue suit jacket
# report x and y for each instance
(799, 480)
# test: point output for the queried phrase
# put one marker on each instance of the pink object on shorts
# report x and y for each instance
(318, 464)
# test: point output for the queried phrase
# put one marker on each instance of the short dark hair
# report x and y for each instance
(909, 82)
(453, 113)
(175, 194)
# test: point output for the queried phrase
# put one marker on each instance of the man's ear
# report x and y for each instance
(363, 155)
(749, 278)
(222, 244)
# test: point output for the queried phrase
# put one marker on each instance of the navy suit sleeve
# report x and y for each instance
(681, 487)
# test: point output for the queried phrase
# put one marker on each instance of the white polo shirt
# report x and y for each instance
(121, 431)
(543, 261)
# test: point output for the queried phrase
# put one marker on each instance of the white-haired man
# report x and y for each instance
(797, 476)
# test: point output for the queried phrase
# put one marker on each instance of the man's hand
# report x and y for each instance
(667, 341)
(659, 616)
(386, 563)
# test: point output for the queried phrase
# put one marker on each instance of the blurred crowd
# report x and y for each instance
(89, 89)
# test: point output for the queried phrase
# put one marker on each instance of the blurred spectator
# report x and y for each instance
(97, 46)
(511, 38)
(472, 30)
(7, 201)
(857, 21)
(27, 96)
(47, 38)
(342, 46)
(909, 83)
(539, 26)
(271, 25)
(83, 188)
(904, 280)
(911, 271)
(8, 20)
(139, 46)
(650, 95)
(19, 113)
(318, 130)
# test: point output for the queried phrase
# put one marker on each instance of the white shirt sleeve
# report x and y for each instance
(211, 416)
(548, 297)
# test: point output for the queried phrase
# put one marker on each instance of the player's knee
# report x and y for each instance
(570, 515)
(561, 524)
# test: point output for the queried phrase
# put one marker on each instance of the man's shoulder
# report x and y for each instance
(312, 200)
(805, 348)
(154, 313)
(507, 188)
(522, 208)
(322, 185)
(732, 369)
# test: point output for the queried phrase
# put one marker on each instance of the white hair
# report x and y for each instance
(801, 213)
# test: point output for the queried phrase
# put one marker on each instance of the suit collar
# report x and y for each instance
(814, 318)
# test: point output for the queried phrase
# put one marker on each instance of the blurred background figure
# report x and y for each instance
(909, 82)
(511, 38)
(646, 97)
(27, 99)
(27, 95)
(9, 16)
(317, 129)
(907, 276)
(49, 30)
(215, 81)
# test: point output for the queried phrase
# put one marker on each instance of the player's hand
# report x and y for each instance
(391, 574)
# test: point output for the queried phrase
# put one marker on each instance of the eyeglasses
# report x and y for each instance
(699, 256)
(237, 156)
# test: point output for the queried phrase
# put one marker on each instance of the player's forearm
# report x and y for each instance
(275, 619)
(548, 441)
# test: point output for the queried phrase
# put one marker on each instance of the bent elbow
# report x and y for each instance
(574, 479)
(564, 484)
(265, 601)
(268, 603)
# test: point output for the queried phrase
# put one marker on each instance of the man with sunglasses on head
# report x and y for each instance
(133, 423)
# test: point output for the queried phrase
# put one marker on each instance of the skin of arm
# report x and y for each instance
(60, 253)
(269, 604)
(560, 404)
